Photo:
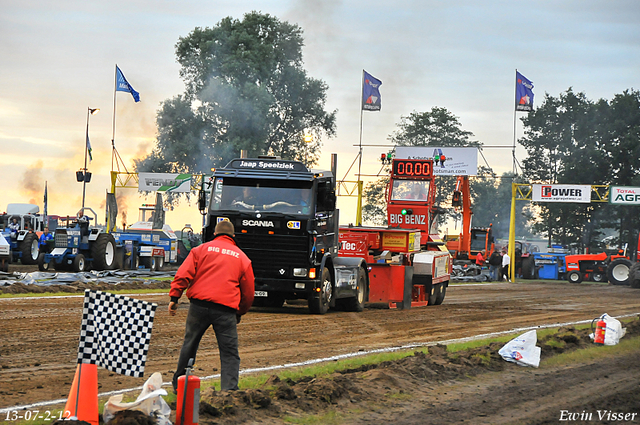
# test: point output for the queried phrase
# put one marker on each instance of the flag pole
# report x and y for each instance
(113, 133)
(359, 212)
(513, 151)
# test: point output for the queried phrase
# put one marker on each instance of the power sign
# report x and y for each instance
(561, 193)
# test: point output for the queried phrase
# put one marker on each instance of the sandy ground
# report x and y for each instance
(39, 339)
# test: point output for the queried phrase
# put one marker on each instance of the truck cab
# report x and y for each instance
(286, 222)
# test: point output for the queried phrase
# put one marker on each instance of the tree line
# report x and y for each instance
(246, 89)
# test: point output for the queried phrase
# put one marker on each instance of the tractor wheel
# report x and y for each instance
(634, 276)
(357, 303)
(78, 263)
(598, 277)
(574, 277)
(319, 302)
(103, 251)
(42, 266)
(30, 249)
(441, 294)
(528, 268)
(618, 271)
(148, 263)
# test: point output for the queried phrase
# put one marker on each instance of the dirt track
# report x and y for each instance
(39, 337)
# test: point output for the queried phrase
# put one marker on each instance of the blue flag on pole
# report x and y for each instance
(524, 93)
(370, 93)
(123, 85)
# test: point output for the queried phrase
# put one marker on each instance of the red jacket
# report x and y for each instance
(219, 272)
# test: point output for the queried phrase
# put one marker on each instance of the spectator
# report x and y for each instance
(505, 265)
(220, 286)
(495, 261)
(480, 258)
(46, 236)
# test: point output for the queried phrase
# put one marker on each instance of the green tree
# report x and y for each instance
(246, 89)
(572, 140)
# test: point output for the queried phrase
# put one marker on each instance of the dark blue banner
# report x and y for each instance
(370, 93)
(123, 85)
(524, 93)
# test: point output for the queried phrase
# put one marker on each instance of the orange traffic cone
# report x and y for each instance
(83, 396)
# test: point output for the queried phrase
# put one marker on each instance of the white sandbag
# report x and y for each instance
(149, 402)
(522, 350)
(614, 330)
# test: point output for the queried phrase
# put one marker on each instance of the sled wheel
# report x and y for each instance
(357, 303)
(441, 294)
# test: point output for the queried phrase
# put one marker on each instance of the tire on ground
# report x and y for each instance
(103, 252)
(30, 249)
(634, 276)
(357, 303)
(618, 271)
(574, 276)
(42, 265)
(319, 302)
(79, 263)
(441, 294)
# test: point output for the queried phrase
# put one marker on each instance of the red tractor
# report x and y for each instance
(618, 268)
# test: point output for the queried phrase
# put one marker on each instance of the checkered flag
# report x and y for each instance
(115, 332)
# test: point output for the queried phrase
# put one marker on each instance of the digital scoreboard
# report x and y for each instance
(412, 168)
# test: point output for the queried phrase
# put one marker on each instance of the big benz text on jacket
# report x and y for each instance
(219, 272)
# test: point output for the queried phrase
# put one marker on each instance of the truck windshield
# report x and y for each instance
(282, 196)
(409, 190)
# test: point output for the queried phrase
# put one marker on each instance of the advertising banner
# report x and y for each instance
(164, 182)
(620, 195)
(446, 161)
(579, 193)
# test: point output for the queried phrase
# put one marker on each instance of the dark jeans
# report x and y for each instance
(223, 320)
(505, 273)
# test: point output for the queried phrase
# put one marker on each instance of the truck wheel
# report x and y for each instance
(30, 249)
(598, 277)
(574, 277)
(103, 251)
(79, 263)
(441, 294)
(634, 276)
(357, 303)
(528, 268)
(618, 271)
(319, 302)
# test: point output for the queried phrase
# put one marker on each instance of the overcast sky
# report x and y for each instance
(58, 59)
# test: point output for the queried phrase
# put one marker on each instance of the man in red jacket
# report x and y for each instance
(219, 281)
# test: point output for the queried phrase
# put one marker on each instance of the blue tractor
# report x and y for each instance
(77, 246)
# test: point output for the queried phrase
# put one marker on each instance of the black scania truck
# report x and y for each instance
(286, 221)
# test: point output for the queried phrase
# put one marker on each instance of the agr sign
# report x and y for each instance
(620, 195)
